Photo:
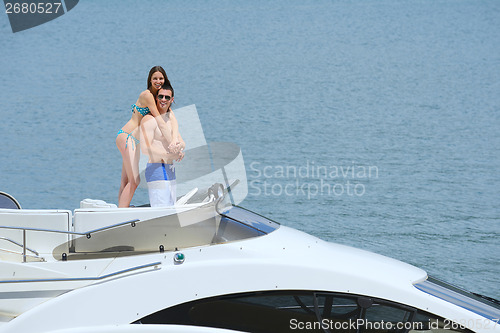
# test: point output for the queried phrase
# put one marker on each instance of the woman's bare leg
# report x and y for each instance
(130, 170)
(123, 181)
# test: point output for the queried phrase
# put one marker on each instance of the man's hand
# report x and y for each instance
(175, 147)
(181, 156)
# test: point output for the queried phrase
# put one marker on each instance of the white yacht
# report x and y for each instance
(205, 265)
(208, 265)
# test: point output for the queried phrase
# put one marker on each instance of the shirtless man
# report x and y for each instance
(160, 171)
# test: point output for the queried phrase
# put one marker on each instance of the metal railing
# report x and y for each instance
(18, 244)
(93, 278)
(88, 234)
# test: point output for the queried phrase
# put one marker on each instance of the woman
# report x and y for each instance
(127, 141)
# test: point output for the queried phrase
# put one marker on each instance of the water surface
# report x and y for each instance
(410, 88)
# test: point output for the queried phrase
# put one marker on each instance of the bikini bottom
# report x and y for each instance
(137, 141)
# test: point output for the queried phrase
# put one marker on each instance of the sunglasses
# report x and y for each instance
(168, 98)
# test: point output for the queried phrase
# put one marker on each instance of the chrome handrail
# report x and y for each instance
(20, 245)
(93, 278)
(88, 234)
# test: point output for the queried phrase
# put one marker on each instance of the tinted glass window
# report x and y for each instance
(7, 201)
(352, 313)
(256, 312)
(332, 306)
(292, 311)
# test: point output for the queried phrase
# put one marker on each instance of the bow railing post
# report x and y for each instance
(24, 245)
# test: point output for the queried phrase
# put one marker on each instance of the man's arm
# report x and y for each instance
(175, 145)
(154, 151)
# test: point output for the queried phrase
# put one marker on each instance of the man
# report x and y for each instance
(160, 171)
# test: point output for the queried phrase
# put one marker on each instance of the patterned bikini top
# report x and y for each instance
(143, 111)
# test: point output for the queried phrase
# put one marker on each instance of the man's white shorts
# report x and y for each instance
(161, 184)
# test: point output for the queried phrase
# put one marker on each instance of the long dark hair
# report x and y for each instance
(154, 70)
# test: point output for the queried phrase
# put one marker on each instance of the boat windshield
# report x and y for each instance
(482, 305)
(245, 219)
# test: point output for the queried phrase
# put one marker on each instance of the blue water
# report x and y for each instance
(374, 124)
